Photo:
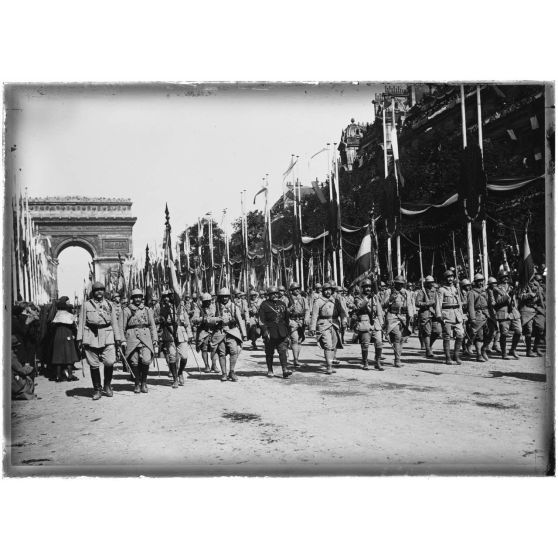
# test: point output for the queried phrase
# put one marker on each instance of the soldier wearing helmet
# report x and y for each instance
(398, 309)
(450, 316)
(299, 318)
(242, 305)
(429, 327)
(480, 326)
(274, 320)
(228, 335)
(283, 295)
(532, 308)
(175, 333)
(501, 301)
(253, 329)
(204, 329)
(465, 287)
(328, 313)
(99, 332)
(139, 327)
(369, 319)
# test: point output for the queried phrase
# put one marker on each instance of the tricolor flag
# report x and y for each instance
(318, 191)
(527, 268)
(395, 151)
(363, 260)
(262, 191)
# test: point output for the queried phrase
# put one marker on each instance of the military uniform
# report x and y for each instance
(274, 319)
(98, 331)
(327, 316)
(175, 332)
(398, 309)
(369, 318)
(480, 325)
(448, 313)
(204, 330)
(429, 327)
(505, 315)
(532, 309)
(299, 314)
(139, 327)
(253, 324)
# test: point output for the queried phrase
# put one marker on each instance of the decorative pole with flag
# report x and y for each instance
(339, 229)
(168, 258)
(484, 236)
(211, 254)
(469, 226)
(199, 275)
(395, 152)
(333, 215)
(386, 172)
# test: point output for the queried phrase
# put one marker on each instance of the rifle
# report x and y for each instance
(125, 362)
(455, 263)
(421, 269)
(82, 319)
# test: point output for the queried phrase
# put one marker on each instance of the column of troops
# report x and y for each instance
(471, 319)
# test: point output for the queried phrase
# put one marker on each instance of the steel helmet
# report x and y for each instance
(294, 286)
(399, 279)
(272, 289)
(429, 279)
(492, 281)
(327, 286)
(136, 292)
(224, 292)
(503, 273)
(253, 293)
(382, 284)
(194, 295)
(97, 287)
(205, 297)
(318, 286)
(449, 273)
(166, 293)
(366, 283)
(478, 277)
(464, 282)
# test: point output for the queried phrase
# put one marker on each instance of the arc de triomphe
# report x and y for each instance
(103, 226)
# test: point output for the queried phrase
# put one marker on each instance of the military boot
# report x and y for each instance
(223, 364)
(108, 381)
(429, 353)
(137, 379)
(503, 348)
(484, 353)
(536, 348)
(478, 349)
(447, 351)
(513, 350)
(172, 368)
(96, 380)
(144, 368)
(365, 359)
(397, 350)
(378, 360)
(457, 351)
(181, 372)
(528, 353)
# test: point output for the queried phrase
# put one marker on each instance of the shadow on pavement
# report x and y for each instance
(520, 375)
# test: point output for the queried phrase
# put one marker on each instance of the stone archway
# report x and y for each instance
(102, 226)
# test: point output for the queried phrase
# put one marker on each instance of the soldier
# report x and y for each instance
(384, 293)
(501, 300)
(370, 317)
(429, 327)
(327, 316)
(466, 287)
(254, 330)
(299, 314)
(398, 309)
(204, 329)
(479, 322)
(242, 305)
(175, 333)
(228, 335)
(139, 327)
(283, 296)
(98, 333)
(448, 313)
(532, 308)
(274, 320)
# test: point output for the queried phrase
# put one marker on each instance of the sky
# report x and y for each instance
(193, 147)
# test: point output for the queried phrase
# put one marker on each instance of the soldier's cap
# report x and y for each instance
(272, 289)
(429, 279)
(399, 279)
(136, 292)
(205, 297)
(224, 292)
(115, 296)
(194, 295)
(166, 293)
(97, 287)
(448, 273)
(294, 286)
(186, 295)
(318, 286)
(492, 281)
(382, 284)
(281, 288)
(503, 274)
(238, 292)
(366, 283)
(464, 282)
(326, 286)
(478, 277)
(253, 293)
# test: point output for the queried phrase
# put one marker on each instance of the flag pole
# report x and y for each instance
(469, 226)
(338, 192)
(268, 215)
(484, 235)
(333, 258)
(397, 236)
(389, 255)
(211, 254)
(299, 236)
(296, 220)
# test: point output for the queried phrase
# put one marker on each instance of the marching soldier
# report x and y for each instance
(466, 287)
(448, 313)
(98, 333)
(429, 327)
(228, 335)
(283, 296)
(479, 317)
(175, 334)
(254, 330)
(398, 313)
(204, 329)
(532, 308)
(141, 339)
(327, 316)
(501, 300)
(242, 305)
(370, 317)
(299, 314)
(274, 320)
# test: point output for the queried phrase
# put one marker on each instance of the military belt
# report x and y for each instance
(449, 306)
(397, 310)
(100, 326)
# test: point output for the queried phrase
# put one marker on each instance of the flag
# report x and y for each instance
(395, 151)
(318, 191)
(527, 267)
(363, 260)
(263, 190)
(318, 152)
(290, 167)
(168, 258)
(310, 276)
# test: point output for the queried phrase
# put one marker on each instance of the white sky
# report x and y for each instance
(162, 144)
